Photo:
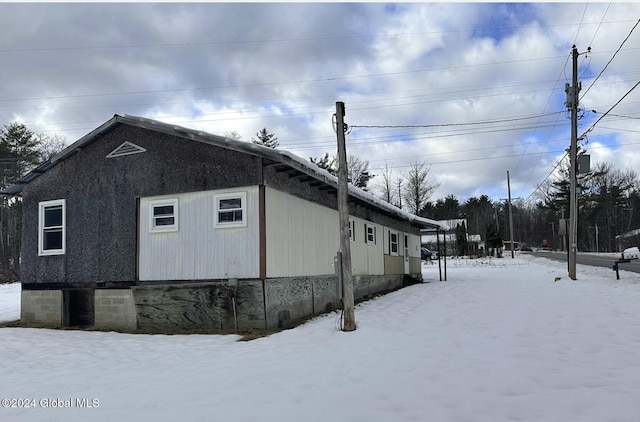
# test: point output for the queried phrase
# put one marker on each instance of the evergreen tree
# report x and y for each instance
(265, 138)
(461, 239)
(325, 163)
(20, 151)
(358, 172)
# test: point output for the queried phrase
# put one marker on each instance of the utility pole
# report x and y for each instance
(349, 318)
(510, 215)
(572, 104)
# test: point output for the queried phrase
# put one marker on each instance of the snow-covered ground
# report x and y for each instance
(500, 341)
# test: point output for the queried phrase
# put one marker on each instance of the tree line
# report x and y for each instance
(608, 203)
(20, 150)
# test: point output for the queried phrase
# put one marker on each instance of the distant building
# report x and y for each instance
(433, 241)
(628, 240)
(152, 226)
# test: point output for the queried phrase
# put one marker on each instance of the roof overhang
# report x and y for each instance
(282, 160)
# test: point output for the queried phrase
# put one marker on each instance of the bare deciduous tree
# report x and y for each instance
(418, 187)
(385, 185)
(233, 135)
(49, 145)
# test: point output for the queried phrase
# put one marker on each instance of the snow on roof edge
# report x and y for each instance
(283, 156)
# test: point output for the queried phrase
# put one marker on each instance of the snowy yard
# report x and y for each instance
(499, 341)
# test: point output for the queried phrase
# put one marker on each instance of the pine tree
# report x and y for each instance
(265, 138)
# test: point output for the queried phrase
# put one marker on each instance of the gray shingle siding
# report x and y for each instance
(101, 200)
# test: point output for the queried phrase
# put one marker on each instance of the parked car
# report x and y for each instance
(428, 254)
(631, 253)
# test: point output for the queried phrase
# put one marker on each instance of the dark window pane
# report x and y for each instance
(164, 221)
(53, 216)
(229, 204)
(52, 239)
(225, 217)
(230, 216)
(163, 210)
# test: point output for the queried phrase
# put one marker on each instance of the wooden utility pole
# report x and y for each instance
(572, 104)
(510, 215)
(349, 317)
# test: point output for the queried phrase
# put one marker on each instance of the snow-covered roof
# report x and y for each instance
(632, 233)
(276, 155)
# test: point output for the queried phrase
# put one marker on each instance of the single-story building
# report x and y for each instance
(147, 225)
(628, 240)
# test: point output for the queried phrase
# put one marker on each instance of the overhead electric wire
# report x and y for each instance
(288, 40)
(584, 12)
(610, 60)
(607, 112)
(327, 79)
(599, 25)
(585, 133)
(456, 124)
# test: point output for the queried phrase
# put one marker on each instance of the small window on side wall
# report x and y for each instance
(393, 243)
(352, 230)
(231, 210)
(52, 227)
(370, 234)
(163, 215)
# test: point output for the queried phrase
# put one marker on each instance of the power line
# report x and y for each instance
(288, 40)
(584, 11)
(328, 79)
(611, 59)
(599, 25)
(607, 112)
(454, 124)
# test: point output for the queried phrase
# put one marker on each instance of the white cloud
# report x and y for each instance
(240, 67)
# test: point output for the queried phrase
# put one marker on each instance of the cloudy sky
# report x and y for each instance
(472, 89)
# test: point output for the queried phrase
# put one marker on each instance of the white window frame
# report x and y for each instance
(153, 227)
(367, 227)
(392, 243)
(352, 230)
(42, 206)
(243, 207)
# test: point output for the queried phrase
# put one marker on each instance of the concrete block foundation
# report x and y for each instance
(41, 307)
(210, 305)
(115, 309)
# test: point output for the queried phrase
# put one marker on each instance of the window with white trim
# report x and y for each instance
(231, 210)
(370, 234)
(52, 227)
(352, 230)
(393, 243)
(163, 215)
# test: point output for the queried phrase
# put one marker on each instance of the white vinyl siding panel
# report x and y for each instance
(414, 245)
(301, 236)
(365, 259)
(198, 250)
(303, 239)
